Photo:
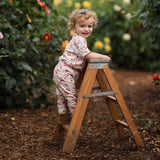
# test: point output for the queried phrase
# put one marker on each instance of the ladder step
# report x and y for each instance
(66, 127)
(98, 63)
(96, 88)
(108, 97)
(98, 60)
(122, 123)
(99, 94)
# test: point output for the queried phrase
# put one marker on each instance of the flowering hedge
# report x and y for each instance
(28, 50)
(149, 12)
(127, 44)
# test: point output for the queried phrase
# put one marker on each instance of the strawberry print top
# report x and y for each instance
(75, 52)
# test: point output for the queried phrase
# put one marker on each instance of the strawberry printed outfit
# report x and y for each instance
(67, 71)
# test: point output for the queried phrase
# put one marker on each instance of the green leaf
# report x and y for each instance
(36, 39)
(147, 125)
(3, 56)
(10, 83)
(55, 12)
(35, 73)
(30, 27)
(146, 22)
(146, 2)
(32, 46)
(157, 4)
(157, 84)
(2, 71)
(144, 14)
(158, 25)
(24, 66)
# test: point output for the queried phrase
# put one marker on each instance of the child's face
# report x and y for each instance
(85, 28)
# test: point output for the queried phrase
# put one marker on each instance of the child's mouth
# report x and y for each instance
(85, 33)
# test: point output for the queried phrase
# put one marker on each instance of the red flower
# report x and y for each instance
(155, 76)
(132, 28)
(43, 5)
(47, 37)
(141, 26)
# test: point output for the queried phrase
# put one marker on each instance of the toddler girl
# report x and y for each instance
(73, 60)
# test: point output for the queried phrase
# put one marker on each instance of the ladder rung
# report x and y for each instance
(122, 123)
(99, 94)
(111, 98)
(96, 88)
(66, 127)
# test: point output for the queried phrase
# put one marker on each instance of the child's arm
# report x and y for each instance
(93, 55)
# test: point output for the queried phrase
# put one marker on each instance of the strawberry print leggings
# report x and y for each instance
(65, 79)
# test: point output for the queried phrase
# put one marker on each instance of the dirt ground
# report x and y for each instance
(27, 134)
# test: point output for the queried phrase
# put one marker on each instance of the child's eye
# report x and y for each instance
(81, 25)
(90, 26)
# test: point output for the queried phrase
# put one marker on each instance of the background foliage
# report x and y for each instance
(129, 46)
(27, 60)
(149, 12)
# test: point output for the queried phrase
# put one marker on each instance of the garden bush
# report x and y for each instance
(27, 58)
(119, 33)
(149, 12)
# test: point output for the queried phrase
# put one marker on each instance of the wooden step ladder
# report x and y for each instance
(97, 69)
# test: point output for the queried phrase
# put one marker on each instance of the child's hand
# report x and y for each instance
(107, 57)
(93, 55)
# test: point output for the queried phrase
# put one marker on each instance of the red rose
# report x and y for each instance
(47, 37)
(141, 26)
(155, 76)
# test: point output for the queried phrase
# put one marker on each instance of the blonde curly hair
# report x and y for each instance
(80, 15)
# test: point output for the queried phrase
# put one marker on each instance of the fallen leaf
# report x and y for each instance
(44, 114)
(13, 118)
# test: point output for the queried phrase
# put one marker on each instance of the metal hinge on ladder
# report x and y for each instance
(99, 94)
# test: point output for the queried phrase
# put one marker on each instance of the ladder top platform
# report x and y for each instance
(98, 61)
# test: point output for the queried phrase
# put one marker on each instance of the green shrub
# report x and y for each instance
(149, 12)
(26, 59)
(129, 47)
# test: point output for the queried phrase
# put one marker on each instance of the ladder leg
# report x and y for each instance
(111, 105)
(123, 107)
(81, 106)
(58, 133)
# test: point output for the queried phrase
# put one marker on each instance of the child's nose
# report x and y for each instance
(86, 28)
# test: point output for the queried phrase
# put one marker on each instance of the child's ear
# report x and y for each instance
(73, 29)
